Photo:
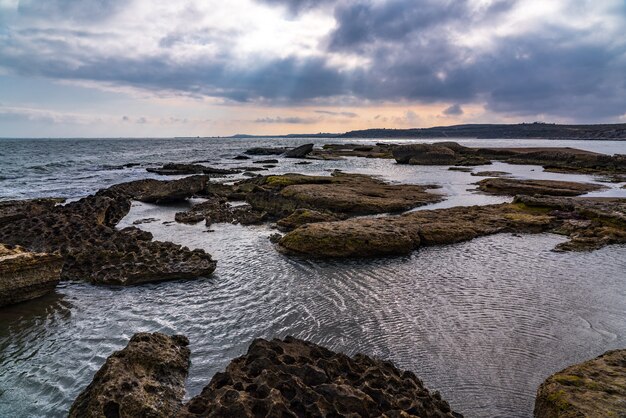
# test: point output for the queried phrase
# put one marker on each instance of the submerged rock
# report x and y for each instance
(505, 186)
(177, 169)
(217, 210)
(490, 173)
(266, 151)
(145, 379)
(595, 388)
(291, 377)
(25, 275)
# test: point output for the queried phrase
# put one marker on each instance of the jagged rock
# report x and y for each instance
(25, 275)
(396, 235)
(145, 379)
(595, 388)
(292, 378)
(299, 152)
(301, 217)
(217, 210)
(84, 233)
(177, 169)
(340, 193)
(506, 186)
(12, 210)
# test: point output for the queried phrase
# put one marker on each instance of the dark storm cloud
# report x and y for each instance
(454, 110)
(409, 45)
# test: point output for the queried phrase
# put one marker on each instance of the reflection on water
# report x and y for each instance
(484, 322)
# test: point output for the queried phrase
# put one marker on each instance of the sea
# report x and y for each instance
(483, 322)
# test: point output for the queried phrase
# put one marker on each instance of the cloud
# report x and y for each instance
(343, 114)
(294, 120)
(563, 59)
(454, 110)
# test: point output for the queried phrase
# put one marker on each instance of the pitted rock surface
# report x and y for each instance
(295, 378)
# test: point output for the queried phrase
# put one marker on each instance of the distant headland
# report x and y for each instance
(535, 130)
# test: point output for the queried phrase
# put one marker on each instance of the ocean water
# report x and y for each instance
(484, 322)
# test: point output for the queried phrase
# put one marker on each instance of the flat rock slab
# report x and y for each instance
(145, 379)
(295, 378)
(595, 388)
(25, 275)
(512, 187)
(589, 223)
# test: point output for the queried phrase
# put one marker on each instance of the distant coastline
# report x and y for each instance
(535, 130)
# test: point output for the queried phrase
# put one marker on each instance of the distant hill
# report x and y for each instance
(486, 131)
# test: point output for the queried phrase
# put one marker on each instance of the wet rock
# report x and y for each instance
(241, 157)
(217, 210)
(291, 377)
(266, 151)
(299, 152)
(491, 174)
(158, 191)
(252, 169)
(396, 235)
(463, 169)
(511, 187)
(337, 151)
(145, 379)
(301, 217)
(25, 275)
(265, 162)
(304, 162)
(340, 193)
(596, 388)
(84, 234)
(443, 153)
(177, 169)
(274, 238)
(12, 210)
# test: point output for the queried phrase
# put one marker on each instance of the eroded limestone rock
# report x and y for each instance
(593, 389)
(145, 379)
(512, 187)
(25, 275)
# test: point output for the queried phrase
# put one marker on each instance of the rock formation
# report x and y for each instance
(84, 234)
(297, 378)
(25, 275)
(589, 223)
(278, 378)
(299, 152)
(593, 389)
(145, 379)
(177, 169)
(511, 187)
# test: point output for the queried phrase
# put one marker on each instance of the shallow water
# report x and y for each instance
(483, 322)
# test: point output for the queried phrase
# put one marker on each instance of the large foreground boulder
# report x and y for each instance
(277, 378)
(595, 388)
(25, 275)
(145, 379)
(295, 378)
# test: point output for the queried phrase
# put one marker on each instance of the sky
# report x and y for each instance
(144, 68)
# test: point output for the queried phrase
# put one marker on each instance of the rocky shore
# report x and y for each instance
(595, 388)
(589, 223)
(25, 275)
(92, 249)
(277, 378)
